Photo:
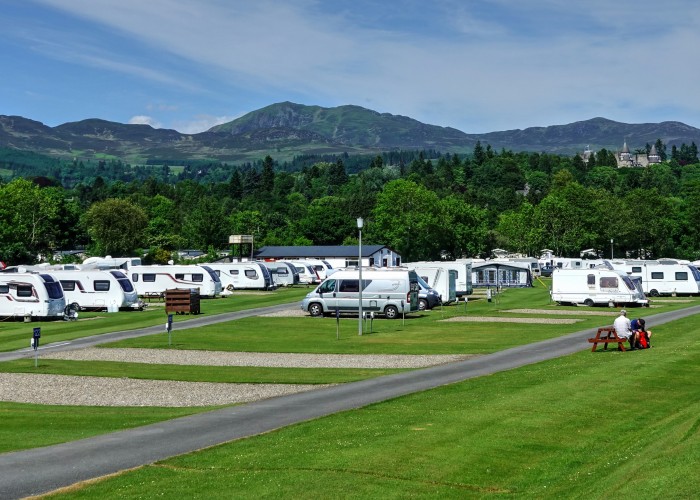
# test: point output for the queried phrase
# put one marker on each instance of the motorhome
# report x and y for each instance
(154, 280)
(109, 262)
(33, 295)
(307, 272)
(428, 297)
(242, 276)
(282, 273)
(440, 279)
(596, 286)
(95, 289)
(387, 291)
(661, 277)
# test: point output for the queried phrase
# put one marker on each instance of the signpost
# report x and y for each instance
(337, 323)
(36, 335)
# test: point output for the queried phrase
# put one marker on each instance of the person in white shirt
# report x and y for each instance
(623, 327)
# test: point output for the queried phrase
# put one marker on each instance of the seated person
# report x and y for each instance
(623, 328)
(639, 327)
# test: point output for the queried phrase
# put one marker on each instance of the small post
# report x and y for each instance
(169, 328)
(403, 312)
(36, 335)
(371, 321)
(337, 323)
(466, 300)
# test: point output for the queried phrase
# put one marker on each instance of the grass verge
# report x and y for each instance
(589, 425)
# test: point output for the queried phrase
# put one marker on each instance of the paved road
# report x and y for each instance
(40, 470)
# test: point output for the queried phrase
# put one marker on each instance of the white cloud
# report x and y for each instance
(201, 123)
(145, 120)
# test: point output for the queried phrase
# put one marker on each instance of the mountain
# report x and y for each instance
(285, 130)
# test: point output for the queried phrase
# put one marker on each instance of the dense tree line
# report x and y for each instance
(424, 205)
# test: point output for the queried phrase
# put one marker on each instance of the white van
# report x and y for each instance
(387, 291)
(595, 286)
(242, 276)
(37, 295)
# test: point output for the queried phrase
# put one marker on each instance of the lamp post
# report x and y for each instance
(611, 249)
(360, 223)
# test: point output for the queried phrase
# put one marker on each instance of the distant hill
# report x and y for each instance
(286, 129)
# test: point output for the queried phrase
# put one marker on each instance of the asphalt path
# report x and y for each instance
(40, 470)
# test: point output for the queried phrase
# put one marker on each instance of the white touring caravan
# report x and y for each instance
(242, 276)
(34, 295)
(661, 277)
(462, 269)
(596, 286)
(443, 281)
(307, 272)
(95, 289)
(321, 266)
(283, 273)
(156, 279)
(387, 291)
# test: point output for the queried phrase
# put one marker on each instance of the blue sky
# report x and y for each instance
(478, 66)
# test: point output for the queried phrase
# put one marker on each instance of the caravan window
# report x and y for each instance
(251, 274)
(657, 276)
(234, 272)
(134, 277)
(4, 288)
(101, 285)
(68, 286)
(591, 279)
(53, 287)
(636, 269)
(608, 282)
(24, 290)
(150, 277)
(682, 276)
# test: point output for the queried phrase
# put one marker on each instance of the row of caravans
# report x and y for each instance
(81, 290)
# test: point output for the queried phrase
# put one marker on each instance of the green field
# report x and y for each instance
(578, 426)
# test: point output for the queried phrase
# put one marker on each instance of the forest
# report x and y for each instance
(424, 204)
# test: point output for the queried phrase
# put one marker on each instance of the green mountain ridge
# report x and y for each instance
(286, 129)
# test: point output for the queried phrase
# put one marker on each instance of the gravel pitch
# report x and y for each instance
(274, 360)
(486, 319)
(105, 391)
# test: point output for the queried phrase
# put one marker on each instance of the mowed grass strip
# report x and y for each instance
(16, 334)
(27, 426)
(590, 425)
(190, 373)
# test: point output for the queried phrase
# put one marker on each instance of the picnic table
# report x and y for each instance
(607, 335)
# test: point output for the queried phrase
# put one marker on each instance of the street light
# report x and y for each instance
(360, 223)
(611, 249)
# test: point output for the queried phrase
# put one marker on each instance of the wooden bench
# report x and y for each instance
(607, 335)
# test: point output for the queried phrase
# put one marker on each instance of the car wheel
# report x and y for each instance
(588, 302)
(315, 309)
(422, 304)
(391, 312)
(653, 293)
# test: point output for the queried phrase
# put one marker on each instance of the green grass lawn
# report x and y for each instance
(590, 425)
(16, 334)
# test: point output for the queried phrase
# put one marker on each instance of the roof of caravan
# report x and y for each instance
(317, 252)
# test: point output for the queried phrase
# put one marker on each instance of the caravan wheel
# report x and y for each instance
(588, 302)
(653, 293)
